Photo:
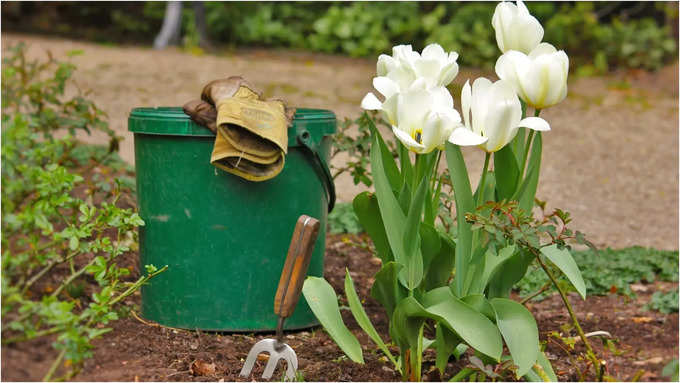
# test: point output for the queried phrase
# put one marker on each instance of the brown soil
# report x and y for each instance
(142, 351)
(611, 158)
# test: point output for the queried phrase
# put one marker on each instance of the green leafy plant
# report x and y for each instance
(415, 285)
(612, 270)
(343, 220)
(457, 282)
(59, 229)
(36, 89)
(352, 141)
(361, 29)
(665, 302)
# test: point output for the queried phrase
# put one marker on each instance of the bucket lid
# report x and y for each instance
(173, 121)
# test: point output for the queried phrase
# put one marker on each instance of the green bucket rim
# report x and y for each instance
(172, 121)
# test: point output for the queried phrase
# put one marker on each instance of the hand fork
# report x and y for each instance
(287, 295)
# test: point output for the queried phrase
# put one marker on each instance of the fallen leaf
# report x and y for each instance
(201, 368)
(263, 357)
(642, 319)
(655, 360)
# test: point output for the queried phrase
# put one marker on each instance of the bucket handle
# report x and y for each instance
(320, 166)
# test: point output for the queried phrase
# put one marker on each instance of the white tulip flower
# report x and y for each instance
(406, 66)
(540, 78)
(515, 28)
(422, 118)
(492, 114)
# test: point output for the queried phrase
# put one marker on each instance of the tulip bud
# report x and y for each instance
(515, 28)
(540, 78)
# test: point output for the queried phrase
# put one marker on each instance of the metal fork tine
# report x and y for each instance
(271, 365)
(265, 345)
(291, 362)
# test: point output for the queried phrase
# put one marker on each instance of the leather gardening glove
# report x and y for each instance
(202, 113)
(252, 133)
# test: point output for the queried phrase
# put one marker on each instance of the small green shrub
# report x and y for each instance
(635, 44)
(362, 29)
(343, 220)
(64, 230)
(464, 28)
(599, 35)
(665, 302)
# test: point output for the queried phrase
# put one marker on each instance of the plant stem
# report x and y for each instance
(72, 278)
(416, 169)
(54, 366)
(577, 325)
(482, 181)
(527, 146)
(418, 360)
(36, 335)
(136, 285)
(434, 171)
(462, 374)
(535, 293)
(47, 268)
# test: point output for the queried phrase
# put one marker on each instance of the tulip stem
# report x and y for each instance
(527, 146)
(482, 181)
(434, 171)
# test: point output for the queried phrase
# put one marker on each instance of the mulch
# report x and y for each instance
(136, 350)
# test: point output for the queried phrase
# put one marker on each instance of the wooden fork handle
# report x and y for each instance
(295, 267)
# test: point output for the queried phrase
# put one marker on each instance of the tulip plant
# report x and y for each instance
(454, 287)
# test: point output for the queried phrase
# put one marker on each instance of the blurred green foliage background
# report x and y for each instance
(598, 36)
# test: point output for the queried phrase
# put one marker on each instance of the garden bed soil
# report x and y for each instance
(138, 350)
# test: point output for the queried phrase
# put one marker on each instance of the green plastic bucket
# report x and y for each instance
(224, 238)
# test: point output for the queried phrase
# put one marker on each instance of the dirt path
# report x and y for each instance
(611, 158)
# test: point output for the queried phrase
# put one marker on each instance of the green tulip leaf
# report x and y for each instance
(473, 327)
(519, 330)
(446, 342)
(391, 170)
(405, 198)
(480, 304)
(386, 289)
(464, 204)
(390, 211)
(414, 263)
(565, 262)
(492, 263)
(405, 161)
(506, 170)
(527, 191)
(362, 319)
(367, 211)
(439, 264)
(469, 324)
(324, 304)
